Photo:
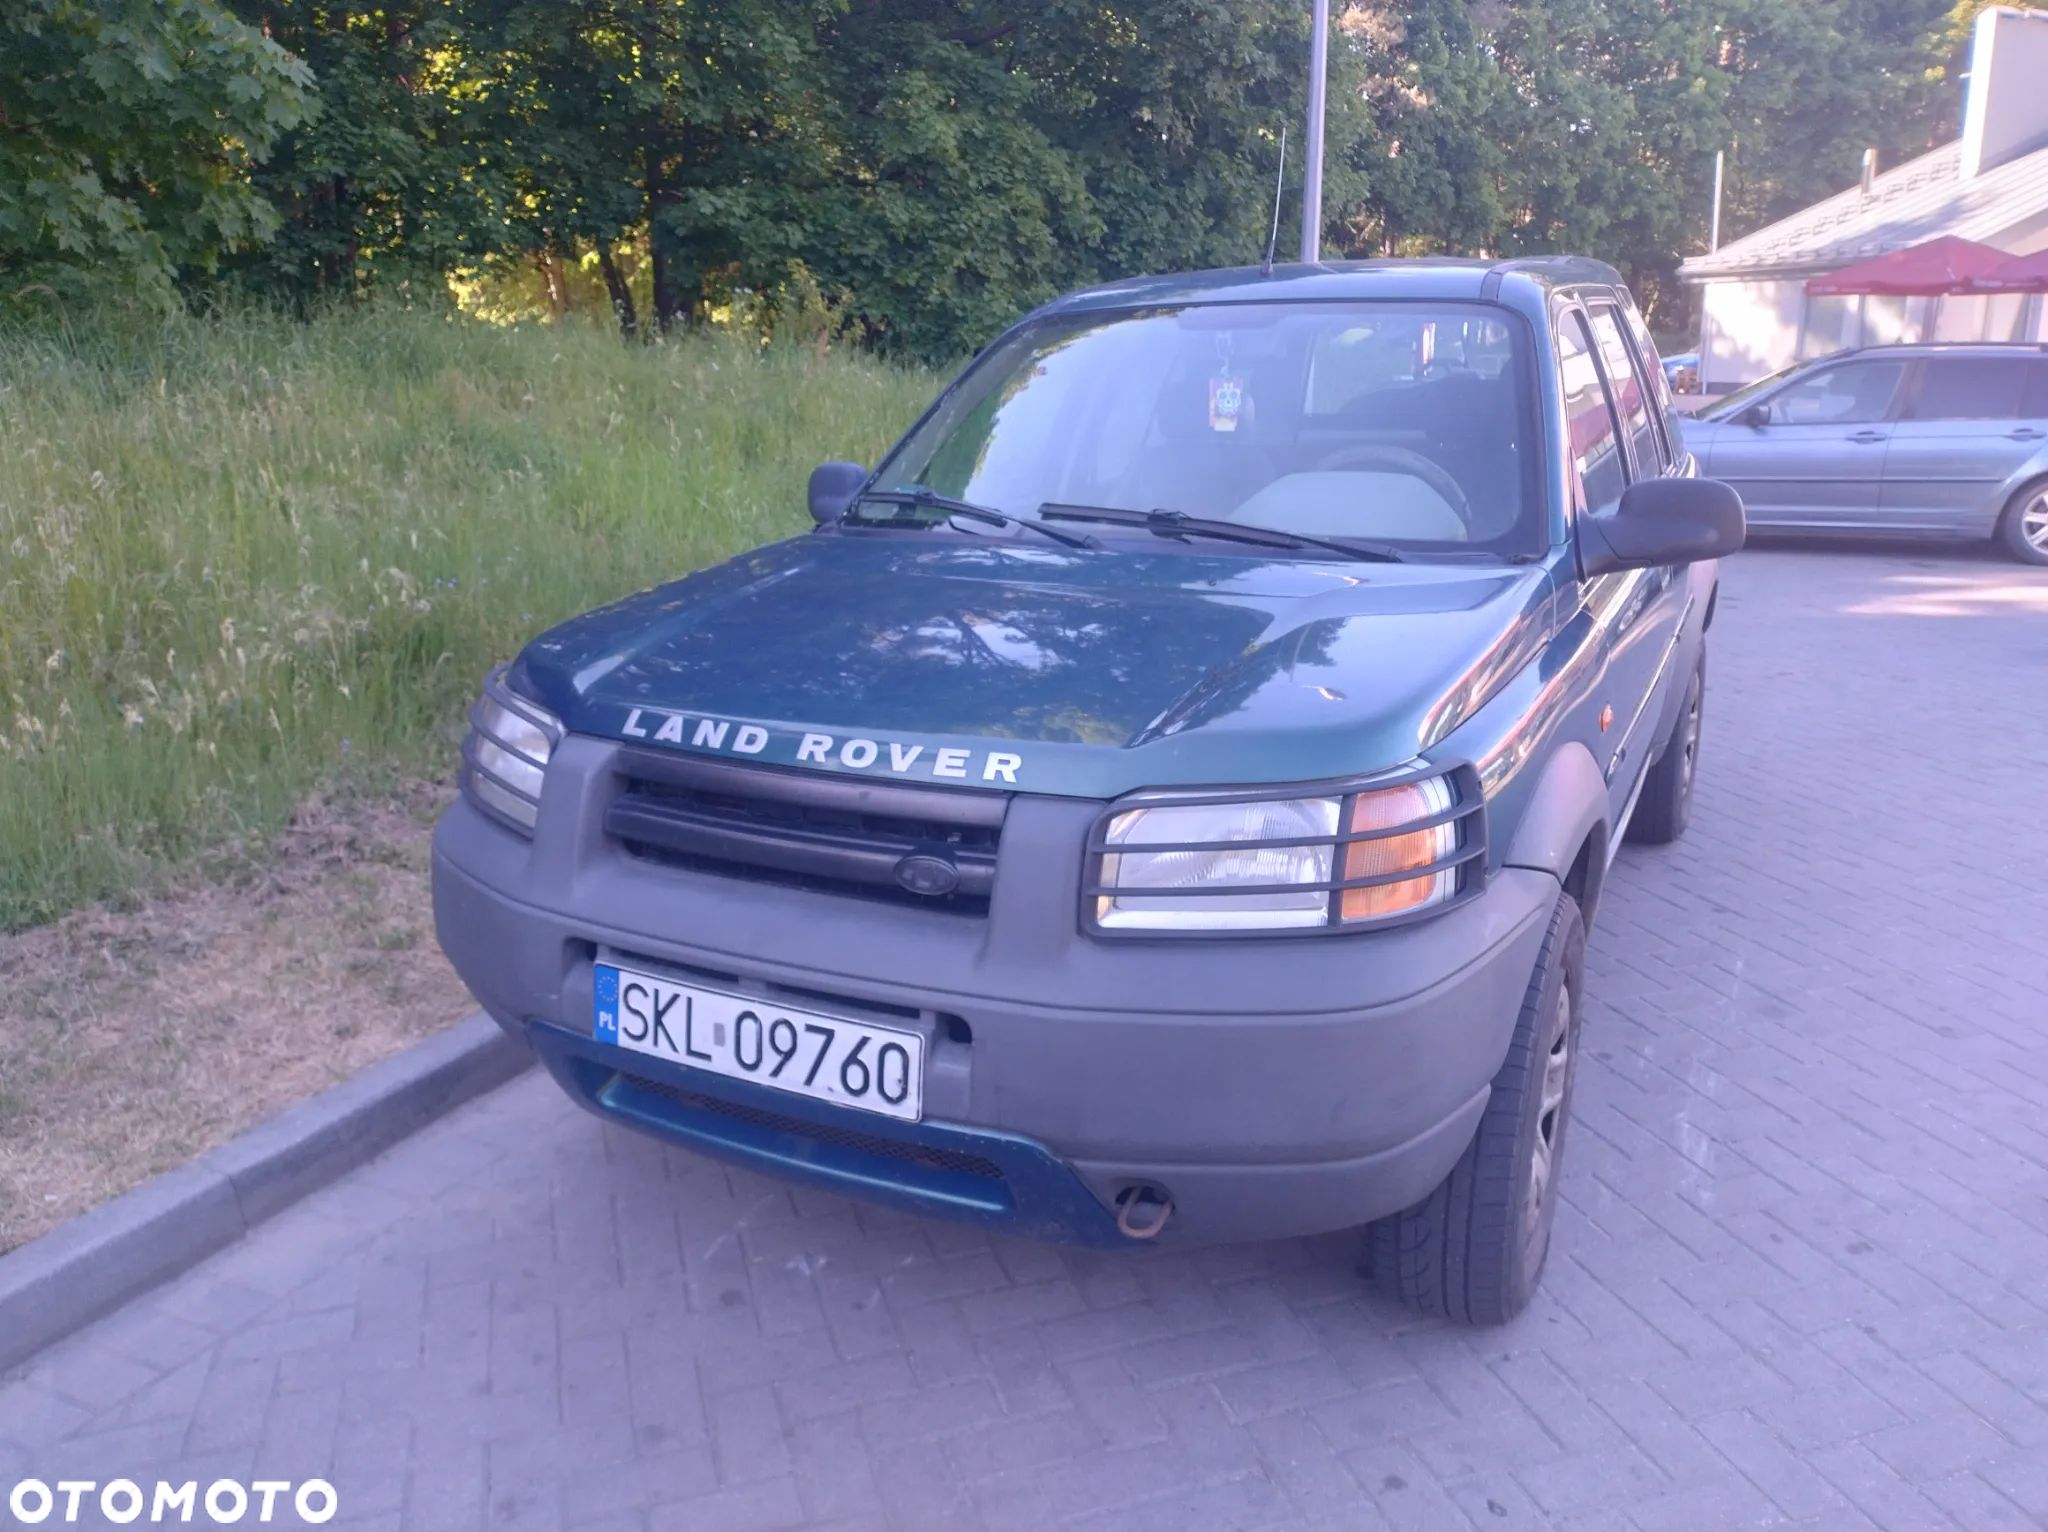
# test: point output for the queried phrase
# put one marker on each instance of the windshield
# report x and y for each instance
(1404, 424)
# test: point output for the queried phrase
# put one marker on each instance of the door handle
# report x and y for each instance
(1866, 436)
(2026, 434)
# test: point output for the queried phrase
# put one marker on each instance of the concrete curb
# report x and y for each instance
(82, 1269)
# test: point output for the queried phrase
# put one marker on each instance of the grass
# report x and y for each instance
(242, 556)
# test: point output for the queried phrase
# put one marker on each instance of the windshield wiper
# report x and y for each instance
(928, 499)
(1181, 524)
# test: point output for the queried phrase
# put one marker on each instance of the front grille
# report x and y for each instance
(806, 830)
(924, 1156)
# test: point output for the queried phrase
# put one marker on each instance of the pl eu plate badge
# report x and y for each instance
(606, 982)
(1226, 403)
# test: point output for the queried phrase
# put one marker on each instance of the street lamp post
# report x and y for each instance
(1714, 227)
(1312, 169)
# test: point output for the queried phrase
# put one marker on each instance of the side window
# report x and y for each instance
(1589, 418)
(1968, 388)
(1854, 393)
(1646, 352)
(1632, 393)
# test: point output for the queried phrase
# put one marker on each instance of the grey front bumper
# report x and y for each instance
(1271, 1086)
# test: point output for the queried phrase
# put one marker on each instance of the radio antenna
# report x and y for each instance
(1279, 180)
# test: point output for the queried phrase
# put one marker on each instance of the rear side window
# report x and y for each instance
(1631, 391)
(1589, 418)
(1968, 388)
(2034, 397)
(1660, 385)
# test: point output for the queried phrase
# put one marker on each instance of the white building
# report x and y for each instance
(1991, 186)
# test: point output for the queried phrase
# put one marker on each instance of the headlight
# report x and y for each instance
(505, 757)
(1309, 862)
(1284, 848)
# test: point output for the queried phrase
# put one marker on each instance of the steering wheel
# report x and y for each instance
(1401, 460)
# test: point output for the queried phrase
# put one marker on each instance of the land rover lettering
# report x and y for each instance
(810, 747)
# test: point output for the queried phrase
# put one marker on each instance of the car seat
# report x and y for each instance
(1190, 466)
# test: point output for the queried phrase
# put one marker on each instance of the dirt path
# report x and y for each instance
(132, 1040)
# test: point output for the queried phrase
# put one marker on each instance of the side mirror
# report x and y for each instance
(1663, 521)
(1756, 415)
(833, 486)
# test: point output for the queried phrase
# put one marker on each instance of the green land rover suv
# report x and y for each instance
(1164, 801)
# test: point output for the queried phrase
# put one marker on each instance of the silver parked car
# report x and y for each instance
(1927, 441)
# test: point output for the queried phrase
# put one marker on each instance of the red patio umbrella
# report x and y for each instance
(1944, 265)
(2019, 274)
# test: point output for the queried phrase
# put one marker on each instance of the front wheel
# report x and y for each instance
(2024, 527)
(1472, 1250)
(1664, 807)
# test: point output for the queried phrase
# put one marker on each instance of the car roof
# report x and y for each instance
(1450, 278)
(1939, 348)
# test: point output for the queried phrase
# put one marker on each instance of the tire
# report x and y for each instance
(1473, 1249)
(1664, 807)
(2023, 529)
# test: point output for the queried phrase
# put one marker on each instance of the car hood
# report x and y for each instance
(1701, 437)
(942, 658)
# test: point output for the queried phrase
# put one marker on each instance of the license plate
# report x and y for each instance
(828, 1058)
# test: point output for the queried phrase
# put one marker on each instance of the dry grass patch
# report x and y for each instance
(134, 1039)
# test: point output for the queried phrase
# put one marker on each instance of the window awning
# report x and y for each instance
(1937, 266)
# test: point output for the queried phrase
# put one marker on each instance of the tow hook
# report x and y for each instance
(1142, 1211)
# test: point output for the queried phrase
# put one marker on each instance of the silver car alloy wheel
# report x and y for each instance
(1557, 1060)
(1690, 743)
(2034, 521)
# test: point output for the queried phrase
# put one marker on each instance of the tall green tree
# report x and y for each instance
(928, 168)
(685, 124)
(1173, 109)
(943, 205)
(1437, 161)
(1619, 105)
(1814, 84)
(1509, 126)
(127, 132)
(934, 166)
(381, 186)
(556, 107)
(985, 156)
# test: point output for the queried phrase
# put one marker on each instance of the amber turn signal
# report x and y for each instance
(1388, 809)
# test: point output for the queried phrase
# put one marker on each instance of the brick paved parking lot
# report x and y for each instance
(1801, 1279)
